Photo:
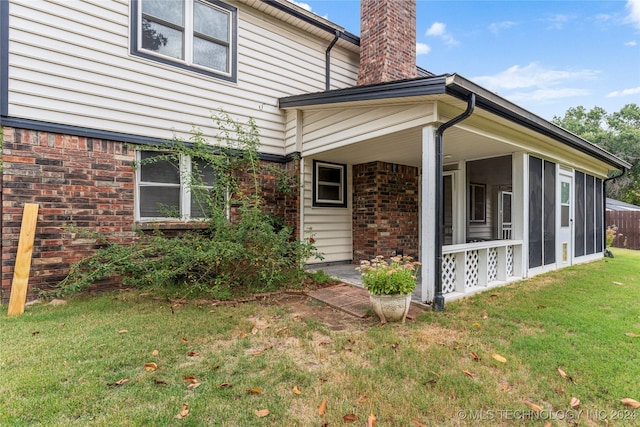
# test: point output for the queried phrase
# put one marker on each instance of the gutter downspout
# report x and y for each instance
(327, 61)
(604, 207)
(438, 300)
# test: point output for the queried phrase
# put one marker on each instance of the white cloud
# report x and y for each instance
(305, 6)
(422, 48)
(439, 29)
(535, 82)
(624, 92)
(631, 43)
(634, 12)
(557, 22)
(496, 27)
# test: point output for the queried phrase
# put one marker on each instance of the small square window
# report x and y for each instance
(329, 184)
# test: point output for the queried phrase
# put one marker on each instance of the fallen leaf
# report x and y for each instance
(476, 324)
(632, 335)
(225, 385)
(574, 402)
(192, 386)
(417, 423)
(630, 403)
(123, 331)
(262, 412)
(559, 390)
(371, 420)
(485, 315)
(475, 356)
(361, 399)
(505, 387)
(323, 407)
(62, 325)
(242, 335)
(119, 382)
(467, 373)
(618, 283)
(151, 366)
(499, 358)
(564, 375)
(159, 382)
(533, 406)
(255, 390)
(184, 340)
(35, 332)
(350, 418)
(254, 330)
(155, 352)
(296, 390)
(184, 411)
(193, 354)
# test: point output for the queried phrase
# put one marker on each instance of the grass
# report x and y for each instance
(57, 363)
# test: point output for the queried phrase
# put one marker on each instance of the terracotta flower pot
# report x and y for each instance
(390, 308)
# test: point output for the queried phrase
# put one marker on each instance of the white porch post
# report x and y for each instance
(520, 213)
(427, 221)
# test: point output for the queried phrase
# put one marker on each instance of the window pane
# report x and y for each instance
(329, 192)
(199, 206)
(326, 174)
(157, 202)
(211, 22)
(167, 10)
(209, 54)
(202, 171)
(165, 170)
(161, 39)
(506, 208)
(565, 193)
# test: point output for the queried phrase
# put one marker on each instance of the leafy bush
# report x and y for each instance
(396, 276)
(252, 251)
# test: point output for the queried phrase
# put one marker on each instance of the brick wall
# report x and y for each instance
(83, 182)
(385, 210)
(387, 41)
(87, 184)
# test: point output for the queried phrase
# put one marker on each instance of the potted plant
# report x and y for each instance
(390, 284)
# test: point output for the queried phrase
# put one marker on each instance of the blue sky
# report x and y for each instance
(544, 55)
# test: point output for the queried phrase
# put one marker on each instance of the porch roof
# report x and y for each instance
(458, 87)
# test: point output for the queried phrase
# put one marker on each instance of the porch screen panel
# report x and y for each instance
(590, 240)
(579, 220)
(549, 213)
(535, 217)
(599, 222)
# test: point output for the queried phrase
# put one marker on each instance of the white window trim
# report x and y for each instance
(185, 191)
(341, 202)
(189, 34)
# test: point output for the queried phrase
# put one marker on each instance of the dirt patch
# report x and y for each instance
(304, 307)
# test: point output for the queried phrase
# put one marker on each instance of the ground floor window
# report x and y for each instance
(172, 186)
(329, 184)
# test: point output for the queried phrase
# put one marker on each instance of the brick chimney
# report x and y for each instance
(387, 41)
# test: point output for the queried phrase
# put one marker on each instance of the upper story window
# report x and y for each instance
(165, 190)
(199, 35)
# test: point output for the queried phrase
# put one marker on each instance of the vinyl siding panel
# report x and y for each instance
(330, 227)
(70, 64)
(322, 131)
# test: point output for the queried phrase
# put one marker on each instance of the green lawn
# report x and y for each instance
(59, 365)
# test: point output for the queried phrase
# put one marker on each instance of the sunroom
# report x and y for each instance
(480, 190)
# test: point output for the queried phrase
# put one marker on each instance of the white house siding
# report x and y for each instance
(322, 131)
(70, 65)
(330, 227)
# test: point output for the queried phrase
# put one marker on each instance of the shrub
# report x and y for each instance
(254, 251)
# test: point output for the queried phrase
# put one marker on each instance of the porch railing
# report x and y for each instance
(470, 267)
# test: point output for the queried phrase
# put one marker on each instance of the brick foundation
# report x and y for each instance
(83, 183)
(385, 210)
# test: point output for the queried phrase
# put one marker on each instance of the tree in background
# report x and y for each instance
(618, 133)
